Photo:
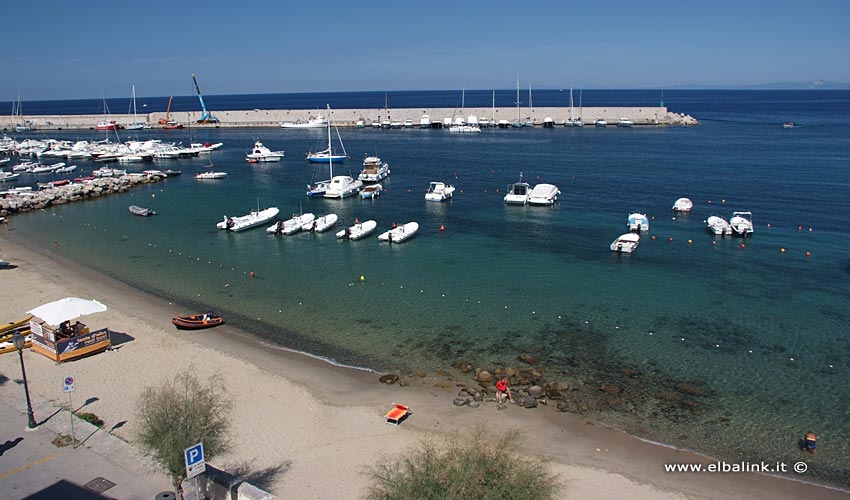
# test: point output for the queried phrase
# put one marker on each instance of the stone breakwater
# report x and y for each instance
(14, 203)
(650, 115)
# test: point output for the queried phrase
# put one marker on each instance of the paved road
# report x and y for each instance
(32, 467)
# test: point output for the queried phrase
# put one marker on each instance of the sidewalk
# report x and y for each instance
(32, 467)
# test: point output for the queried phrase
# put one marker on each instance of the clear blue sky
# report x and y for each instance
(67, 49)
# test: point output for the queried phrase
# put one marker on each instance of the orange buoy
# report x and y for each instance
(670, 239)
(743, 245)
(252, 274)
(808, 254)
(442, 228)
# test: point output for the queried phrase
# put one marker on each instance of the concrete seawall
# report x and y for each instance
(654, 115)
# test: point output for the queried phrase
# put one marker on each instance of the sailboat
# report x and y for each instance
(530, 121)
(518, 123)
(579, 122)
(137, 124)
(340, 186)
(18, 117)
(571, 121)
(458, 125)
(106, 123)
(326, 156)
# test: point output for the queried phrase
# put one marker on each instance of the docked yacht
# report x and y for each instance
(626, 243)
(683, 205)
(718, 225)
(600, 123)
(343, 186)
(261, 153)
(291, 226)
(358, 230)
(518, 193)
(312, 122)
(400, 233)
(255, 218)
(638, 222)
(544, 194)
(741, 223)
(374, 170)
(625, 122)
(438, 191)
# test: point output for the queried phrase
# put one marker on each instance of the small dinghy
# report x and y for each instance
(321, 224)
(358, 230)
(197, 321)
(292, 225)
(141, 211)
(400, 233)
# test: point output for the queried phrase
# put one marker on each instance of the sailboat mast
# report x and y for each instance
(517, 100)
(493, 118)
(530, 108)
(135, 116)
(330, 152)
(572, 119)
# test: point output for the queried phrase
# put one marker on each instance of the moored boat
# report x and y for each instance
(439, 191)
(625, 243)
(261, 153)
(291, 226)
(255, 218)
(741, 223)
(518, 192)
(638, 222)
(312, 122)
(358, 230)
(400, 233)
(544, 194)
(371, 191)
(718, 225)
(683, 205)
(197, 321)
(141, 211)
(374, 169)
(321, 224)
(210, 175)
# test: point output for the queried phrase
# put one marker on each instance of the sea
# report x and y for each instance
(735, 347)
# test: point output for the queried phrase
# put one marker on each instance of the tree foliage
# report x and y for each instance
(181, 413)
(474, 467)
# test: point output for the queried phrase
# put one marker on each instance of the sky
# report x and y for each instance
(58, 49)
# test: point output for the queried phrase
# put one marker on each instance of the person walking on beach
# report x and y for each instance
(503, 392)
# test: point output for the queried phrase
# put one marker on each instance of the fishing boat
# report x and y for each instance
(374, 170)
(291, 226)
(261, 153)
(321, 224)
(626, 243)
(741, 223)
(253, 219)
(544, 194)
(141, 211)
(312, 122)
(197, 321)
(518, 192)
(683, 205)
(371, 191)
(400, 233)
(718, 225)
(358, 230)
(439, 191)
(638, 222)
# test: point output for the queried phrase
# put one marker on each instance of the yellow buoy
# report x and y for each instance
(362, 278)
(781, 250)
(690, 241)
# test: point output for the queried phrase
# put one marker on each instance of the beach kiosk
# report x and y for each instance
(54, 336)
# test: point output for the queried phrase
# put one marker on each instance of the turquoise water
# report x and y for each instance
(765, 332)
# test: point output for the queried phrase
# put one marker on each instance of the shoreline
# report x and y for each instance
(340, 398)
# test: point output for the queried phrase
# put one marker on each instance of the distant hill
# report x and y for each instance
(811, 85)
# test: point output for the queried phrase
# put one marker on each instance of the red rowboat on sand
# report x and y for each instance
(197, 321)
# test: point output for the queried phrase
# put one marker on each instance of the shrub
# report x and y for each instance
(90, 418)
(476, 467)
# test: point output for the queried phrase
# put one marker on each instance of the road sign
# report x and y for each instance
(68, 384)
(195, 464)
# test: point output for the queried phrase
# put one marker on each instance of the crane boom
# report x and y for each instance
(207, 117)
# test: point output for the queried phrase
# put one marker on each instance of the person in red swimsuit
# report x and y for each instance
(503, 391)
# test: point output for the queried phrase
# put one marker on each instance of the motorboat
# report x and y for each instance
(358, 230)
(400, 233)
(683, 205)
(107, 125)
(625, 122)
(544, 194)
(518, 193)
(108, 172)
(197, 321)
(343, 186)
(371, 191)
(210, 175)
(261, 153)
(359, 124)
(600, 123)
(439, 191)
(291, 226)
(374, 170)
(65, 170)
(408, 123)
(312, 122)
(317, 189)
(718, 225)
(43, 169)
(638, 222)
(141, 211)
(425, 121)
(742, 223)
(172, 173)
(7, 176)
(789, 125)
(255, 218)
(321, 224)
(625, 243)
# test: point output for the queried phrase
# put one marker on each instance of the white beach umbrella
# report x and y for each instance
(65, 309)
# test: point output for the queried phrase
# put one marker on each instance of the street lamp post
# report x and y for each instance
(18, 340)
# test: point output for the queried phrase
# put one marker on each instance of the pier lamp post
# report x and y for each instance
(18, 340)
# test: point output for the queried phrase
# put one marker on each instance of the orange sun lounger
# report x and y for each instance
(397, 414)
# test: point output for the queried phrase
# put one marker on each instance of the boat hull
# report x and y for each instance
(196, 322)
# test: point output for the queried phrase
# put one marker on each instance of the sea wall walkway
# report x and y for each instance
(652, 115)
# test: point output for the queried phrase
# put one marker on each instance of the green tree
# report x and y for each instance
(474, 467)
(179, 414)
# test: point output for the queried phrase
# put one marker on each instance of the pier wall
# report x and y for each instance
(651, 115)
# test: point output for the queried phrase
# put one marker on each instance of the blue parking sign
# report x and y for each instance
(195, 464)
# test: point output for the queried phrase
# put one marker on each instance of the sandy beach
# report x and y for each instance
(309, 428)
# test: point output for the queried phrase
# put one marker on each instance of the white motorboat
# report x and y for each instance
(626, 243)
(718, 225)
(7, 176)
(210, 175)
(141, 211)
(374, 170)
(600, 122)
(43, 169)
(408, 123)
(321, 224)
(425, 121)
(255, 218)
(741, 223)
(358, 230)
(683, 205)
(400, 233)
(371, 191)
(261, 153)
(465, 129)
(312, 122)
(544, 194)
(291, 226)
(65, 170)
(625, 122)
(343, 186)
(638, 222)
(439, 191)
(518, 193)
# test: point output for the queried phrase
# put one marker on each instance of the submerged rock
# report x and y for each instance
(389, 378)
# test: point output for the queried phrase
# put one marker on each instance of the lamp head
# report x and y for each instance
(18, 340)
